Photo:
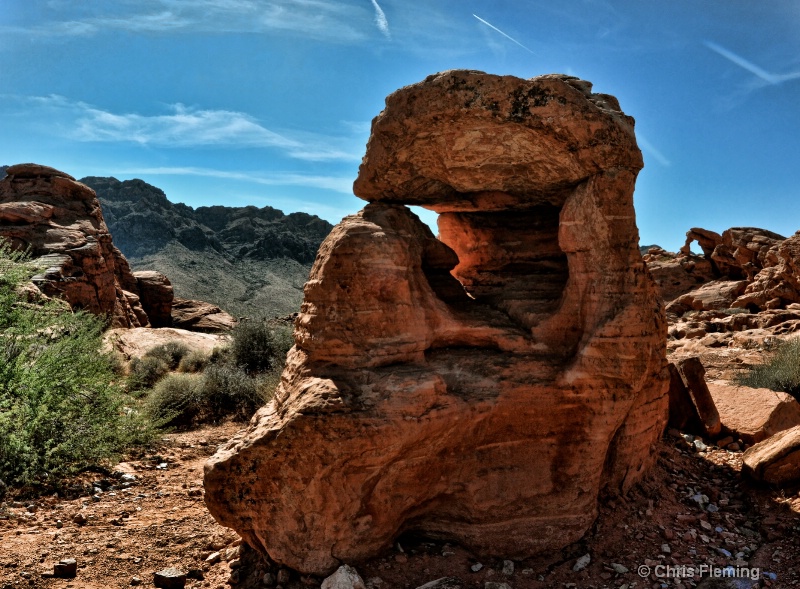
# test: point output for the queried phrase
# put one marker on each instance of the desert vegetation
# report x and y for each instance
(183, 387)
(62, 408)
(65, 404)
(781, 372)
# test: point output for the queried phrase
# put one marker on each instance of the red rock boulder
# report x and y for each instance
(775, 460)
(752, 414)
(60, 221)
(482, 387)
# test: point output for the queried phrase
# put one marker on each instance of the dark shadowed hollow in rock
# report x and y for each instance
(484, 387)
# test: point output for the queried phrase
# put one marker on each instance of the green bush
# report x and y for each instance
(171, 353)
(230, 390)
(780, 373)
(60, 410)
(175, 400)
(145, 372)
(222, 390)
(194, 361)
(258, 346)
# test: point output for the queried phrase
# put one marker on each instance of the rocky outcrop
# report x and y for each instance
(743, 251)
(481, 387)
(59, 220)
(753, 415)
(135, 343)
(777, 284)
(200, 316)
(678, 274)
(729, 261)
(714, 295)
(776, 460)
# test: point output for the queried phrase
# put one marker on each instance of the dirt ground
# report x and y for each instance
(693, 511)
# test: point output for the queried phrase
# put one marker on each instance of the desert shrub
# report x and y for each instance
(60, 410)
(222, 390)
(145, 372)
(175, 400)
(229, 390)
(171, 353)
(257, 346)
(194, 361)
(780, 373)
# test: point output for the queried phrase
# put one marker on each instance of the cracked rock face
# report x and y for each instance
(482, 387)
(60, 221)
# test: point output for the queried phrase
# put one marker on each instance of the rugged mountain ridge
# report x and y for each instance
(261, 255)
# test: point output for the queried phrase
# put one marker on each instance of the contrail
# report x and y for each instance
(750, 67)
(490, 25)
(651, 149)
(380, 20)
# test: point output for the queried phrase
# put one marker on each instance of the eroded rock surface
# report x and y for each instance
(482, 387)
(753, 415)
(775, 460)
(60, 220)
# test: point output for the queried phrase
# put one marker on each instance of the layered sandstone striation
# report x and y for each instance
(484, 386)
(59, 220)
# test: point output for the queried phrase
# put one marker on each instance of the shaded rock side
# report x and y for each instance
(484, 387)
(60, 221)
(156, 296)
(702, 406)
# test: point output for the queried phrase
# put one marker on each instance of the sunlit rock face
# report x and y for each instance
(59, 221)
(483, 387)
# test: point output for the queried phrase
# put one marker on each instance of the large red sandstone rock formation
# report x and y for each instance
(482, 387)
(59, 220)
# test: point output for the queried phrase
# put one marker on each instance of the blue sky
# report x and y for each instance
(268, 102)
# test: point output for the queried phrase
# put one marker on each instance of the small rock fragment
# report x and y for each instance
(345, 577)
(283, 576)
(213, 558)
(170, 578)
(476, 567)
(66, 569)
(618, 568)
(508, 568)
(195, 573)
(582, 562)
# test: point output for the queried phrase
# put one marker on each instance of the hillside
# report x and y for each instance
(250, 261)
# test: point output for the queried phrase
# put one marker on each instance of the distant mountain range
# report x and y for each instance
(250, 261)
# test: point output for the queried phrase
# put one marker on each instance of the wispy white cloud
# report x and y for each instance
(652, 151)
(764, 75)
(324, 19)
(380, 20)
(510, 38)
(184, 127)
(335, 183)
